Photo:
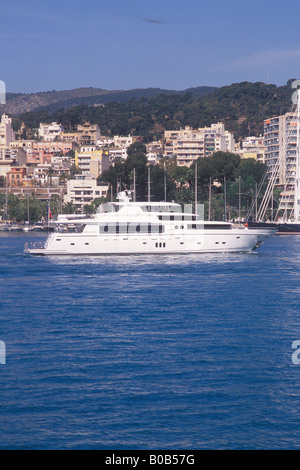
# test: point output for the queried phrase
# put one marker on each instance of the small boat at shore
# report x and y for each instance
(16, 228)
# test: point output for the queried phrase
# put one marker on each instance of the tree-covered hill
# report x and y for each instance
(241, 106)
(18, 103)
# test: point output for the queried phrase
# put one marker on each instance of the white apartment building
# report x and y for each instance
(6, 134)
(118, 153)
(49, 132)
(253, 147)
(280, 137)
(190, 144)
(105, 142)
(230, 142)
(84, 189)
(124, 142)
(40, 173)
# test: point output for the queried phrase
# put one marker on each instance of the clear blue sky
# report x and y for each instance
(124, 44)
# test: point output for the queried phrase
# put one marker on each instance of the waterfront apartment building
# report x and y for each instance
(6, 134)
(253, 147)
(70, 137)
(49, 132)
(190, 144)
(92, 161)
(88, 134)
(26, 145)
(16, 176)
(84, 189)
(280, 136)
(118, 154)
(124, 141)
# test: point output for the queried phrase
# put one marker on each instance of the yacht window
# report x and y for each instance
(209, 226)
(122, 228)
(179, 217)
(217, 227)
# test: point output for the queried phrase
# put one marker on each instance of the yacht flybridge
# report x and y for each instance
(126, 227)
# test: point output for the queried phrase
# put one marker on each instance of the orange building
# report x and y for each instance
(16, 176)
(42, 152)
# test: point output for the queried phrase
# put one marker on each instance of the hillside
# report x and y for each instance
(53, 100)
(241, 106)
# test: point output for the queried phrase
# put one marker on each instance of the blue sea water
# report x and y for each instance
(170, 352)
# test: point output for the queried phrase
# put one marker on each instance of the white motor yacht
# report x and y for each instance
(126, 228)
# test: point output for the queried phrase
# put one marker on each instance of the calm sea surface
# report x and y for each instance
(171, 352)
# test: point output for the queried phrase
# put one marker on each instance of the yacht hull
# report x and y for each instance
(236, 240)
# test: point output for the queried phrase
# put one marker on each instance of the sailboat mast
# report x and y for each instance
(149, 184)
(134, 185)
(297, 176)
(196, 188)
(28, 210)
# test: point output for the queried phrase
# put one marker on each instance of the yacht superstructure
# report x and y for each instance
(126, 227)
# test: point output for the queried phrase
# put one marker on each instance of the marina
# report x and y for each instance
(39, 227)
